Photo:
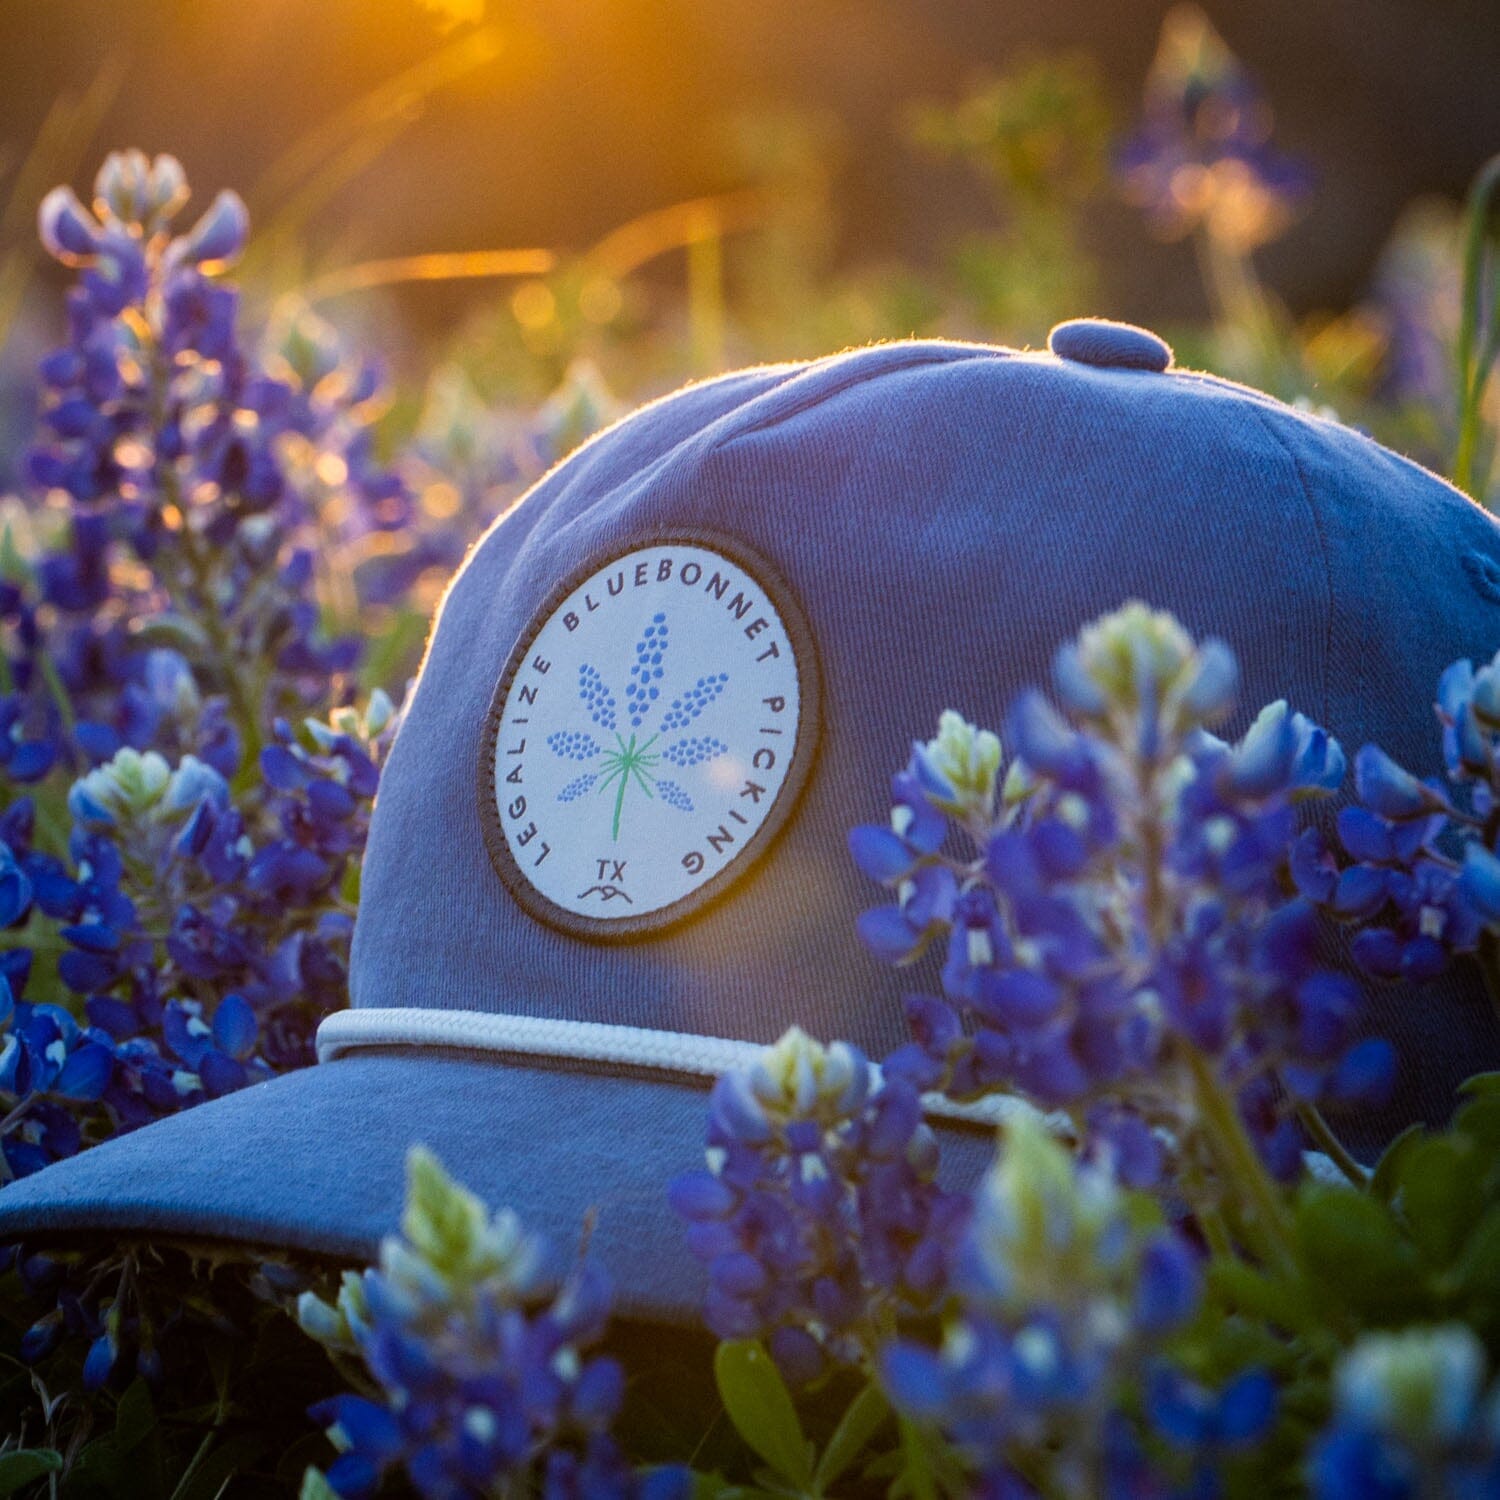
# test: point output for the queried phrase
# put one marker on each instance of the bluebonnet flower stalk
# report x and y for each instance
(1110, 917)
(819, 1216)
(99, 1301)
(1202, 156)
(214, 470)
(1416, 864)
(1067, 1287)
(481, 1383)
(205, 936)
(161, 632)
(1413, 1417)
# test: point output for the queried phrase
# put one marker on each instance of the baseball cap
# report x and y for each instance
(607, 859)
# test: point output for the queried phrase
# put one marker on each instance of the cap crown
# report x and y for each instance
(941, 516)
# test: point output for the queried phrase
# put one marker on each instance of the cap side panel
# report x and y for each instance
(639, 439)
(429, 908)
(1317, 709)
(1406, 604)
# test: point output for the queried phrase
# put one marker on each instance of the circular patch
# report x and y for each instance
(648, 737)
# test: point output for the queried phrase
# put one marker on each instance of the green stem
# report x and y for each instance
(58, 692)
(1240, 301)
(16, 1114)
(1332, 1147)
(1266, 1221)
(1473, 375)
(208, 615)
(1206, 1212)
(245, 711)
(620, 794)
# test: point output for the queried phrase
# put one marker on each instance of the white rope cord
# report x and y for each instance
(636, 1046)
(595, 1041)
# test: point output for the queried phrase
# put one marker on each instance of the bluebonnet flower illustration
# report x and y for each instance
(673, 795)
(597, 698)
(633, 762)
(694, 751)
(573, 744)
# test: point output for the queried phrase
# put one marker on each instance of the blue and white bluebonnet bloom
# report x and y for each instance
(1202, 154)
(1115, 928)
(1416, 865)
(1067, 1286)
(1412, 1417)
(483, 1383)
(157, 645)
(819, 1217)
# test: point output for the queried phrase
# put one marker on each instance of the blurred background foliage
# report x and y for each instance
(538, 216)
(535, 217)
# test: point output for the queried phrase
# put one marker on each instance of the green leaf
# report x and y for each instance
(98, 1466)
(761, 1408)
(1354, 1249)
(1276, 1299)
(135, 1417)
(1480, 1083)
(315, 1487)
(171, 630)
(1478, 1121)
(1478, 1267)
(1439, 1196)
(1387, 1174)
(23, 1465)
(860, 1422)
(212, 1477)
(917, 1478)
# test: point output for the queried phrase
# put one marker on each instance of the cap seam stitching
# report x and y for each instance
(1264, 420)
(951, 354)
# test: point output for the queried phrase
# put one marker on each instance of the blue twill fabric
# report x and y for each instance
(945, 515)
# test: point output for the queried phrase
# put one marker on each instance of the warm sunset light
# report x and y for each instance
(749, 749)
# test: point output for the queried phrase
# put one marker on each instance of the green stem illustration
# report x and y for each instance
(621, 765)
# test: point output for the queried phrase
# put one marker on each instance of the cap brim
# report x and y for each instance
(314, 1161)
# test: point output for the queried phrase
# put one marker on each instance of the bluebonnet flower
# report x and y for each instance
(819, 1216)
(482, 1383)
(1202, 155)
(53, 1073)
(29, 735)
(223, 470)
(97, 1299)
(1205, 1426)
(204, 937)
(1412, 1417)
(1066, 1285)
(1114, 927)
(1414, 868)
(161, 624)
(324, 784)
(468, 461)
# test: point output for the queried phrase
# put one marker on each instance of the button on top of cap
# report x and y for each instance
(1110, 346)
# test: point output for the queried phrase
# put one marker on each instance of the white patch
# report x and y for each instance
(646, 731)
